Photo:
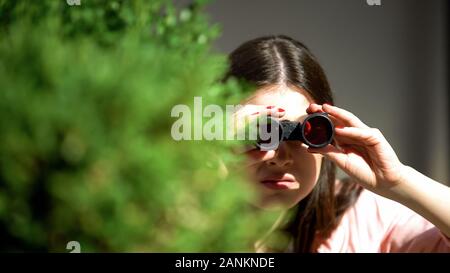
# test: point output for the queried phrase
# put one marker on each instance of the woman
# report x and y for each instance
(409, 212)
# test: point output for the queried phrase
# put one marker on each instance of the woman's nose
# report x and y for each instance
(282, 157)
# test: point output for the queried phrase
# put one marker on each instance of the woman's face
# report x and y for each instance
(284, 176)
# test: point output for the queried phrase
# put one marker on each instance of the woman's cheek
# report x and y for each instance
(307, 168)
(305, 161)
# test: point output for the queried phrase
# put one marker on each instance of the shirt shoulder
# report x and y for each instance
(378, 224)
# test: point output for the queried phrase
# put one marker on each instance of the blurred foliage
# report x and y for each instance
(85, 147)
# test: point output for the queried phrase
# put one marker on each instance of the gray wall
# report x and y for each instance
(387, 64)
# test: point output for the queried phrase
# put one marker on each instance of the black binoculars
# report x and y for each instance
(316, 131)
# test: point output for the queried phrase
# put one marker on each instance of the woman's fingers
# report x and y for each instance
(338, 115)
(344, 115)
(314, 108)
(350, 159)
(367, 136)
(343, 140)
(250, 113)
(251, 110)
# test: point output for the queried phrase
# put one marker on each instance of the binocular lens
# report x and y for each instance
(316, 131)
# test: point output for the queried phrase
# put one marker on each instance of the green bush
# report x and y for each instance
(85, 147)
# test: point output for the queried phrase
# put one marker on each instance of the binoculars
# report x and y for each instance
(316, 131)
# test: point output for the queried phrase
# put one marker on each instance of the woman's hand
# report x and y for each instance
(362, 152)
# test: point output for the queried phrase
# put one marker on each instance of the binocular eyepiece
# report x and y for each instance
(316, 131)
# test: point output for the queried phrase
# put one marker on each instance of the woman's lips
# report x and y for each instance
(284, 183)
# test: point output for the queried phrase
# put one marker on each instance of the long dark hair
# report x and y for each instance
(273, 60)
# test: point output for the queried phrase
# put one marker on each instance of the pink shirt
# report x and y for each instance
(377, 224)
